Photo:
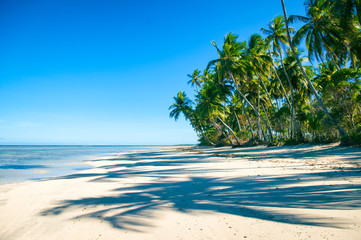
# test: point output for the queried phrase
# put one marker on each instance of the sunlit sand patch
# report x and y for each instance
(78, 163)
(40, 171)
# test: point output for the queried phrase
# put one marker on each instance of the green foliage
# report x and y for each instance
(342, 91)
(259, 91)
(353, 139)
(181, 105)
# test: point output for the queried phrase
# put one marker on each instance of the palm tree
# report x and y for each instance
(347, 16)
(229, 63)
(260, 63)
(182, 104)
(341, 90)
(277, 39)
(319, 30)
(302, 93)
(319, 100)
(210, 105)
(264, 82)
(346, 10)
(238, 106)
(196, 79)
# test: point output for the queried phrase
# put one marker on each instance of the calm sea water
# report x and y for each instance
(22, 163)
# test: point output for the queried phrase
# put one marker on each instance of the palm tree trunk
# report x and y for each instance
(258, 109)
(248, 120)
(250, 104)
(270, 100)
(268, 96)
(205, 137)
(291, 105)
(294, 124)
(265, 111)
(221, 132)
(229, 128)
(199, 128)
(292, 97)
(352, 122)
(238, 123)
(319, 100)
(282, 87)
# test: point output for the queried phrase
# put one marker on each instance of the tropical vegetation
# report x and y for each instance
(267, 90)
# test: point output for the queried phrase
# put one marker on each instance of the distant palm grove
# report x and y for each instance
(266, 90)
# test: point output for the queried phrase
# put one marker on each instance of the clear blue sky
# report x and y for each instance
(104, 72)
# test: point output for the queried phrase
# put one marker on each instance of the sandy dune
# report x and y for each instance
(301, 192)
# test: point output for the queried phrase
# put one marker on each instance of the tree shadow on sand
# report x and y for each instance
(253, 196)
(303, 151)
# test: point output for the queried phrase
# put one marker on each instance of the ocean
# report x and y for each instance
(23, 163)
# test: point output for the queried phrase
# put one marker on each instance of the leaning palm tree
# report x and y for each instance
(347, 16)
(196, 79)
(229, 63)
(260, 63)
(210, 105)
(320, 32)
(277, 40)
(182, 104)
(238, 106)
(310, 84)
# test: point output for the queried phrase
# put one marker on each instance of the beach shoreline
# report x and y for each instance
(20, 163)
(289, 192)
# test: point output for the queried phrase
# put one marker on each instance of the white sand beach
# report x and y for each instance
(293, 192)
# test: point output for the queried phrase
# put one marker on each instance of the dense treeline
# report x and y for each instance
(267, 90)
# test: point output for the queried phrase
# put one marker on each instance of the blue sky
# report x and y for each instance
(104, 72)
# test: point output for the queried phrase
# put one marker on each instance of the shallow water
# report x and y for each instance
(22, 163)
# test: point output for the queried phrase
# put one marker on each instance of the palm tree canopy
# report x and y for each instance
(319, 31)
(182, 104)
(276, 34)
(196, 78)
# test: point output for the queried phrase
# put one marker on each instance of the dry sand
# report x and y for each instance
(301, 192)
